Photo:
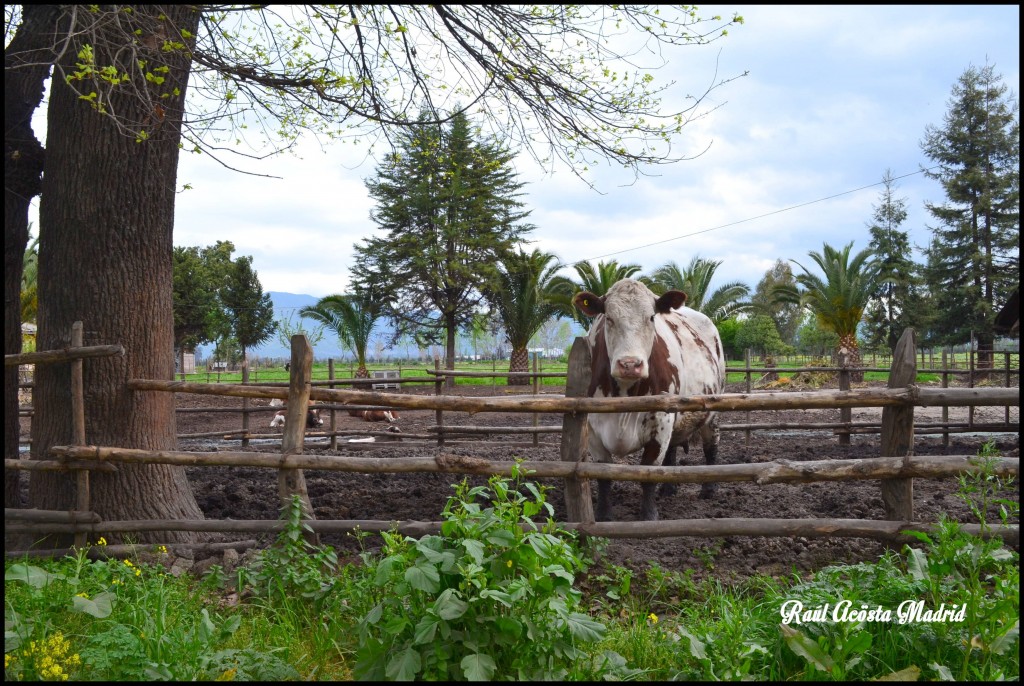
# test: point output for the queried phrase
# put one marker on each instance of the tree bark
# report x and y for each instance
(27, 62)
(520, 362)
(105, 258)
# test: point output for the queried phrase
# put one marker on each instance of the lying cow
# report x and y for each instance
(313, 418)
(388, 416)
(641, 345)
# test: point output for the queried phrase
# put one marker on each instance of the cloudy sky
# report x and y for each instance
(834, 97)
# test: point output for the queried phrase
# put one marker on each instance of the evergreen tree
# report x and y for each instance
(973, 261)
(449, 206)
(249, 310)
(759, 334)
(896, 302)
(786, 315)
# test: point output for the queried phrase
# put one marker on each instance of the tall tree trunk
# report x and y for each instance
(449, 352)
(32, 44)
(520, 362)
(848, 346)
(105, 258)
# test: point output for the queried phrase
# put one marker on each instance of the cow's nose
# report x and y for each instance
(631, 367)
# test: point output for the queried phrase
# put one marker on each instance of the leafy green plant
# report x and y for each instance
(293, 569)
(492, 596)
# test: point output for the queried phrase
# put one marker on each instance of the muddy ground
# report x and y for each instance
(251, 493)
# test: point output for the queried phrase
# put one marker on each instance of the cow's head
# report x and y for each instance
(629, 308)
(313, 418)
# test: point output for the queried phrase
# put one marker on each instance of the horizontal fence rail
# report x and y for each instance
(48, 356)
(787, 400)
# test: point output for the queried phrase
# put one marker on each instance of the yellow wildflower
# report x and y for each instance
(102, 541)
(83, 595)
(510, 563)
(653, 618)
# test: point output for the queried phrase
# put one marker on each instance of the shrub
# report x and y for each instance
(491, 597)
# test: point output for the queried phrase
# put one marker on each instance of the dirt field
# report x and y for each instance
(251, 493)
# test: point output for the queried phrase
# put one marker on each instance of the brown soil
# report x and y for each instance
(251, 493)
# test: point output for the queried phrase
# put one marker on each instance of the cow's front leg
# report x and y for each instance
(604, 486)
(604, 501)
(654, 453)
(710, 435)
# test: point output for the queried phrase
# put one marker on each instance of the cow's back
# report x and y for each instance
(701, 362)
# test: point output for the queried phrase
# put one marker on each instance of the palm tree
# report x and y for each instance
(695, 280)
(838, 300)
(352, 318)
(597, 280)
(519, 295)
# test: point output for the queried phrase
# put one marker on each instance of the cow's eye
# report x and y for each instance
(652, 317)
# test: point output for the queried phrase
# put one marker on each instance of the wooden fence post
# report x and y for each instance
(1006, 356)
(945, 408)
(578, 503)
(289, 480)
(82, 495)
(898, 431)
(536, 391)
(746, 357)
(334, 418)
(845, 413)
(438, 414)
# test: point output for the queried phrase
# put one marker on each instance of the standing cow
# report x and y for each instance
(642, 344)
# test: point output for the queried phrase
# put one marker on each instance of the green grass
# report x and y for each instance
(345, 371)
(488, 598)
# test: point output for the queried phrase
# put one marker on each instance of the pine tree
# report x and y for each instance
(973, 260)
(896, 301)
(448, 203)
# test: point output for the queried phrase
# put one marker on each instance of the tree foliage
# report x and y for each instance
(29, 281)
(896, 301)
(449, 209)
(519, 295)
(973, 259)
(724, 302)
(250, 312)
(838, 297)
(352, 318)
(596, 279)
(786, 315)
(199, 275)
(758, 333)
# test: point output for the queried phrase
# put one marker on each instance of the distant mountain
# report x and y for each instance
(287, 305)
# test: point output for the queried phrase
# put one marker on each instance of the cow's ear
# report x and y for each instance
(588, 303)
(670, 300)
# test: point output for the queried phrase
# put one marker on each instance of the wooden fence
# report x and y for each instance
(441, 433)
(896, 467)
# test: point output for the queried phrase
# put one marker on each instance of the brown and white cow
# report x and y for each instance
(313, 418)
(388, 416)
(643, 344)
